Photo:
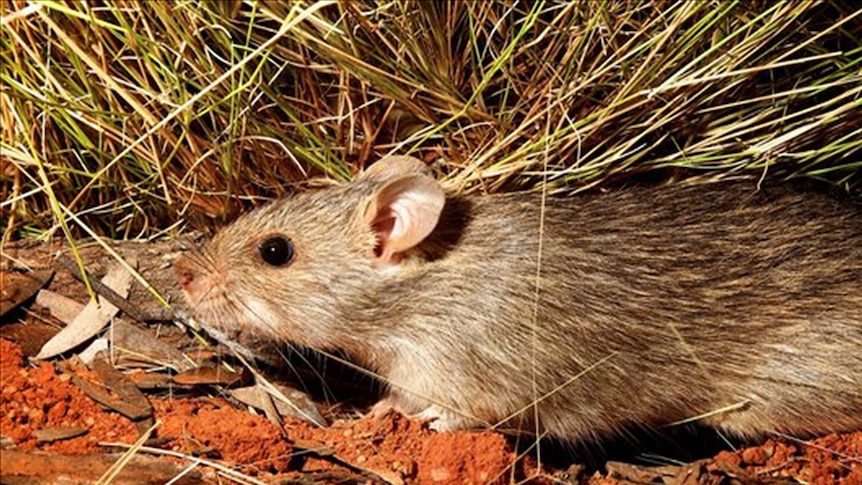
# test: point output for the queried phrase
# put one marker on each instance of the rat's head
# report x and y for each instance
(294, 269)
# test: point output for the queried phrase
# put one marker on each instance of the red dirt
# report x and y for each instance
(835, 458)
(393, 448)
(214, 428)
(38, 398)
(398, 447)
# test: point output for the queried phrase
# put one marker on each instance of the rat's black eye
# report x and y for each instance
(276, 251)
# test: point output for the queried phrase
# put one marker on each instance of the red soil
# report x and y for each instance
(34, 397)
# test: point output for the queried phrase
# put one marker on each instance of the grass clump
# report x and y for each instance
(127, 118)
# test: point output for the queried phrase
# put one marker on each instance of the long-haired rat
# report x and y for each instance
(573, 316)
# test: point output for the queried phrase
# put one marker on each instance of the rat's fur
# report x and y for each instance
(653, 305)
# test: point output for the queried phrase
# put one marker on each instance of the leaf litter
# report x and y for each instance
(92, 319)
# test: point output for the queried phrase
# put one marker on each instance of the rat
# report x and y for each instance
(574, 317)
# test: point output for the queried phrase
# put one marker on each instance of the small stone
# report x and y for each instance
(440, 475)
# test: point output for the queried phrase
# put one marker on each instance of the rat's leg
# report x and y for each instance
(385, 406)
(442, 419)
(438, 418)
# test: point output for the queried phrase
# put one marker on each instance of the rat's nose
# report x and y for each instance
(185, 275)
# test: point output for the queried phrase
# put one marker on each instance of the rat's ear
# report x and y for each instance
(394, 166)
(402, 213)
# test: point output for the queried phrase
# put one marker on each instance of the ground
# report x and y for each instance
(51, 406)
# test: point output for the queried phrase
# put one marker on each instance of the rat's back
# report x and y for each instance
(655, 305)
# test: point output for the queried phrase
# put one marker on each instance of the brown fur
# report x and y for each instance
(654, 305)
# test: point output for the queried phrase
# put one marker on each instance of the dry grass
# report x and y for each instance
(124, 118)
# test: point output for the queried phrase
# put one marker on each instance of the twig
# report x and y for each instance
(123, 304)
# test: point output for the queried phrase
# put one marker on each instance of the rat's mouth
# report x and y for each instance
(238, 339)
(233, 343)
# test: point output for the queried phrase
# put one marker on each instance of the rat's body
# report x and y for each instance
(650, 305)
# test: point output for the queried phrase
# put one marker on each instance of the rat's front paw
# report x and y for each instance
(384, 407)
(441, 419)
(438, 418)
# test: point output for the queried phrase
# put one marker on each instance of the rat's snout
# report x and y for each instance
(185, 274)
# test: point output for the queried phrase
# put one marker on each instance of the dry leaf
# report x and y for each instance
(30, 335)
(61, 307)
(129, 341)
(131, 403)
(209, 375)
(299, 405)
(18, 287)
(133, 344)
(92, 319)
(48, 435)
(93, 350)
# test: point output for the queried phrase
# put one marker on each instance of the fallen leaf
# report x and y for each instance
(131, 403)
(48, 435)
(104, 398)
(208, 375)
(297, 405)
(92, 319)
(129, 341)
(30, 335)
(61, 307)
(93, 350)
(19, 286)
(133, 344)
(627, 472)
(152, 381)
